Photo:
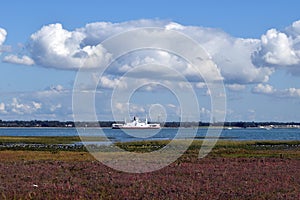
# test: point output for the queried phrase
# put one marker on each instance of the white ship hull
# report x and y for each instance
(136, 124)
(151, 126)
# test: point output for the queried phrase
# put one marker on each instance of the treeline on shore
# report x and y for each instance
(46, 123)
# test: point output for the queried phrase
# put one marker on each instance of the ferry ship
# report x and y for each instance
(136, 124)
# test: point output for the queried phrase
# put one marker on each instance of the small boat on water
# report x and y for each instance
(266, 127)
(136, 124)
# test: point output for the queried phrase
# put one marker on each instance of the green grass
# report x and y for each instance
(286, 149)
(257, 149)
(39, 140)
(47, 139)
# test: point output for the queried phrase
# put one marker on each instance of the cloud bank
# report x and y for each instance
(241, 61)
(55, 47)
(53, 102)
(16, 107)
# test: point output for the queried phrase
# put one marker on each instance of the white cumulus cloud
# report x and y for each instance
(277, 49)
(57, 88)
(37, 105)
(235, 87)
(264, 89)
(271, 91)
(24, 60)
(280, 49)
(3, 34)
(111, 83)
(232, 55)
(23, 108)
(2, 108)
(53, 46)
(291, 92)
(50, 92)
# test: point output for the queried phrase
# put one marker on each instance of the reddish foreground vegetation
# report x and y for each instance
(208, 178)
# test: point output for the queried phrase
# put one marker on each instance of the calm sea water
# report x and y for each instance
(162, 134)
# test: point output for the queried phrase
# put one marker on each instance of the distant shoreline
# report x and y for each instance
(95, 127)
(174, 124)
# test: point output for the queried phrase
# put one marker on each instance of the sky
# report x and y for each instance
(44, 45)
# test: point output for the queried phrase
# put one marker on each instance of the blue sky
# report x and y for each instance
(255, 45)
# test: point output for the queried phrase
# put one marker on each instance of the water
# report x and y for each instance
(162, 134)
